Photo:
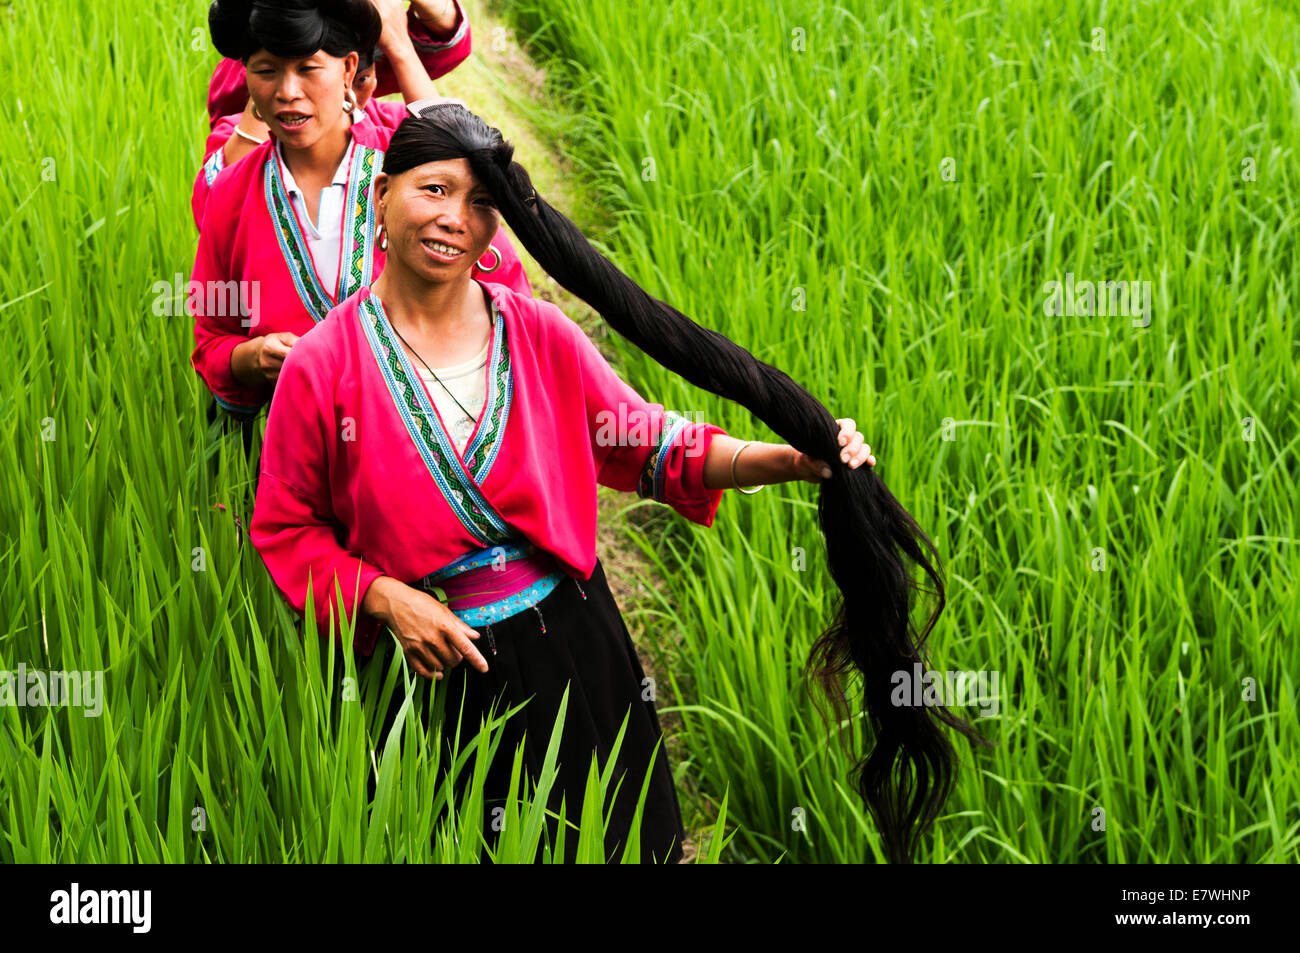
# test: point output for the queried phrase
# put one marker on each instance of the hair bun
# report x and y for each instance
(293, 28)
(228, 26)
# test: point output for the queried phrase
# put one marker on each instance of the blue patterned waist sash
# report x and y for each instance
(493, 584)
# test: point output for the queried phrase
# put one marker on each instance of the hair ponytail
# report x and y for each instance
(870, 539)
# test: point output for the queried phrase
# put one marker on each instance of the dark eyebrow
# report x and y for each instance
(455, 179)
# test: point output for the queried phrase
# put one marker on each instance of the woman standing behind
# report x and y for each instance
(289, 231)
(438, 31)
(371, 497)
(397, 60)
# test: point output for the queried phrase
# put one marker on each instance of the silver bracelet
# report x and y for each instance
(734, 484)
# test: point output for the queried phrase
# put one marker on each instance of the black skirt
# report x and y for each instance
(586, 645)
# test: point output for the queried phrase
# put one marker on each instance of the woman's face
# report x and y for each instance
(439, 219)
(363, 85)
(300, 99)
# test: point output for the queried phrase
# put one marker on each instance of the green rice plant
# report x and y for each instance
(876, 199)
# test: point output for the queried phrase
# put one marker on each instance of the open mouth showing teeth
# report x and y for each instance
(292, 119)
(442, 249)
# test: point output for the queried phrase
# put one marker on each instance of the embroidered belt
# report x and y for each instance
(493, 584)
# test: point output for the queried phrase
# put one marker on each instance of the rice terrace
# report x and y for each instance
(960, 336)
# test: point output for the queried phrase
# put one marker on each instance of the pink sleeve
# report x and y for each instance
(387, 113)
(215, 303)
(439, 54)
(214, 161)
(638, 446)
(227, 90)
(294, 527)
(221, 132)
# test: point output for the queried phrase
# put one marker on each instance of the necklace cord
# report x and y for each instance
(434, 373)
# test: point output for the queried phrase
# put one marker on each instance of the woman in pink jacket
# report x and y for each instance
(440, 437)
(289, 230)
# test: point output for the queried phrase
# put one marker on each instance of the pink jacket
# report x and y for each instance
(359, 479)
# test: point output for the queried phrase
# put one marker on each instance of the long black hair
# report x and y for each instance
(871, 541)
(293, 28)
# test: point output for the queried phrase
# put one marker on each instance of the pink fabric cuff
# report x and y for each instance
(212, 361)
(424, 39)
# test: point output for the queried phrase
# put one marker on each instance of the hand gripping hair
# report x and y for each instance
(871, 541)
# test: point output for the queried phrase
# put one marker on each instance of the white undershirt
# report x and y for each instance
(325, 240)
(468, 381)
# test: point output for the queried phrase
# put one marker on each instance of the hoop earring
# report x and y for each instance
(495, 265)
(381, 237)
(349, 101)
(257, 114)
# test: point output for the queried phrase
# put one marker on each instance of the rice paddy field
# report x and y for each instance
(923, 213)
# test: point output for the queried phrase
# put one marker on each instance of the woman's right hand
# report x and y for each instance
(431, 636)
(259, 359)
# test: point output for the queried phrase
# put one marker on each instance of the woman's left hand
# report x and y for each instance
(852, 451)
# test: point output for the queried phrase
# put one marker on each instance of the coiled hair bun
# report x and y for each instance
(293, 28)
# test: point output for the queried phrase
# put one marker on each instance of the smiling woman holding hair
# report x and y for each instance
(369, 493)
